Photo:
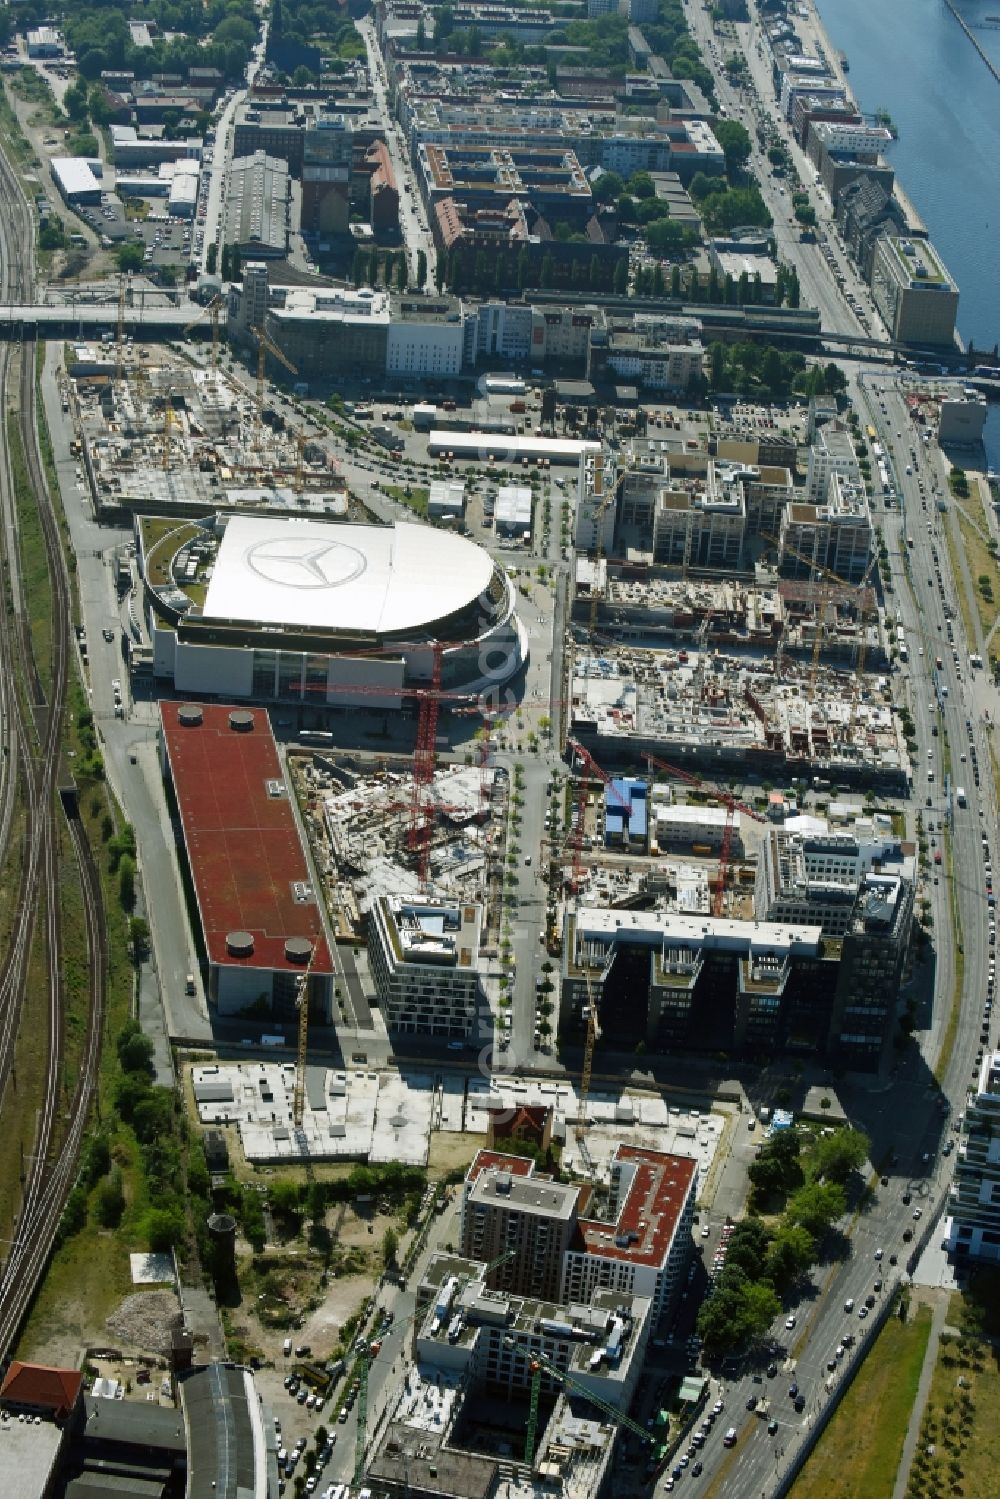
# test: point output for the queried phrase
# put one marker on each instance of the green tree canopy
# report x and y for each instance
(815, 1206)
(734, 139)
(738, 1312)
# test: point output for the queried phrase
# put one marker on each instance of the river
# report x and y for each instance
(912, 58)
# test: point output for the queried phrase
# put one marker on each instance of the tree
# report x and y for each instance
(815, 1206)
(138, 936)
(641, 185)
(401, 271)
(75, 102)
(608, 187)
(675, 282)
(135, 1054)
(791, 1252)
(390, 1246)
(734, 139)
(164, 1227)
(738, 1312)
(421, 268)
(126, 882)
(748, 1244)
(836, 1156)
(109, 1201)
(548, 269)
(129, 257)
(666, 236)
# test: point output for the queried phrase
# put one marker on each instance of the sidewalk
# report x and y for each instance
(939, 1300)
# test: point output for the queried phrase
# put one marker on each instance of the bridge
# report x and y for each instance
(147, 322)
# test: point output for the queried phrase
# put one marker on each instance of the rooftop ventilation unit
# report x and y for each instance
(239, 944)
(189, 715)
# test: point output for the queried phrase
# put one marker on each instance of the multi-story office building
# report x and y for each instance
(425, 964)
(277, 128)
(913, 291)
(596, 503)
(874, 954)
(972, 1225)
(704, 983)
(327, 157)
(426, 337)
(815, 877)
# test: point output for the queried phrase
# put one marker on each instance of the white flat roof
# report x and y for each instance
(604, 924)
(474, 444)
(325, 575)
(75, 175)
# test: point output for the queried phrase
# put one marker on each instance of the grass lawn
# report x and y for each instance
(416, 499)
(982, 564)
(858, 1454)
(960, 1420)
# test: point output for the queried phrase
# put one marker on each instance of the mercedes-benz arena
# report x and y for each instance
(311, 611)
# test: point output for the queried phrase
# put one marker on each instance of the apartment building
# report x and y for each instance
(972, 1225)
(700, 516)
(633, 1238)
(640, 1245)
(425, 964)
(832, 537)
(596, 503)
(493, 1337)
(522, 1215)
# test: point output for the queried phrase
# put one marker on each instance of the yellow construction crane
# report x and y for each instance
(302, 1004)
(168, 422)
(609, 499)
(831, 579)
(593, 1036)
(120, 329)
(212, 310)
(266, 345)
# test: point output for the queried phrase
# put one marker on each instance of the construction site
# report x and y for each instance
(360, 821)
(739, 715)
(781, 617)
(160, 434)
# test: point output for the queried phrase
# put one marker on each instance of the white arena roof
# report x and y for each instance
(328, 576)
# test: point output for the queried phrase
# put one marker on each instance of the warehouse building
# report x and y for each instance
(257, 199)
(78, 180)
(260, 924)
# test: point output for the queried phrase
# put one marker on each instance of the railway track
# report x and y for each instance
(31, 726)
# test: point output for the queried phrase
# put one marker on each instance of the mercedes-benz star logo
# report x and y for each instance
(297, 562)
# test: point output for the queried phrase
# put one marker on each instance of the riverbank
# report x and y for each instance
(811, 27)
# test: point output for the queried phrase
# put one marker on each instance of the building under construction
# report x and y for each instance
(774, 616)
(159, 435)
(736, 716)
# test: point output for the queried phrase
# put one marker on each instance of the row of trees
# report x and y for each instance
(497, 273)
(376, 267)
(764, 1263)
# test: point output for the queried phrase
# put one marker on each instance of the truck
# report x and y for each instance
(960, 796)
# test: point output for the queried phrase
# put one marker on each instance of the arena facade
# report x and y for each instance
(283, 609)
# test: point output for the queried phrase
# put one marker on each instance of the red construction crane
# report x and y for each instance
(732, 805)
(428, 709)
